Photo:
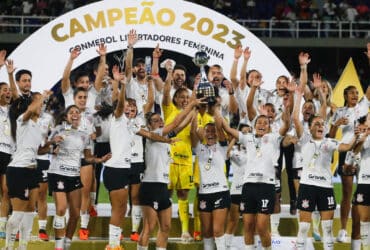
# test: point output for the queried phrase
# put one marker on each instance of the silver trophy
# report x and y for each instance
(205, 88)
(121, 60)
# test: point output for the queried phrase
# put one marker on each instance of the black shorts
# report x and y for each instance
(277, 179)
(136, 172)
(362, 195)
(311, 196)
(65, 184)
(154, 195)
(342, 158)
(211, 202)
(236, 199)
(101, 149)
(4, 162)
(42, 170)
(84, 163)
(297, 173)
(20, 181)
(116, 178)
(257, 198)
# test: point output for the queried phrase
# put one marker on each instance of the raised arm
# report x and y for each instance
(219, 126)
(66, 82)
(286, 121)
(367, 53)
(304, 60)
(194, 135)
(317, 83)
(131, 39)
(118, 112)
(252, 112)
(166, 101)
(13, 87)
(243, 72)
(158, 83)
(180, 117)
(2, 57)
(102, 51)
(118, 79)
(150, 102)
(233, 104)
(296, 110)
(233, 132)
(234, 68)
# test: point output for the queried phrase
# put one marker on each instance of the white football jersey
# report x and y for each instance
(364, 173)
(6, 140)
(238, 159)
(91, 96)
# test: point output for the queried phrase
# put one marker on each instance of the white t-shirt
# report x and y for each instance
(91, 96)
(211, 161)
(238, 159)
(122, 132)
(157, 159)
(352, 114)
(139, 92)
(241, 96)
(29, 139)
(364, 173)
(137, 149)
(277, 100)
(46, 123)
(262, 155)
(87, 124)
(104, 126)
(316, 161)
(67, 161)
(6, 140)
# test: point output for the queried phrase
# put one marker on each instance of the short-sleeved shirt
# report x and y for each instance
(29, 138)
(364, 173)
(316, 160)
(211, 160)
(262, 155)
(6, 140)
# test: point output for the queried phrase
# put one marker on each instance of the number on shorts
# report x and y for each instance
(264, 203)
(330, 201)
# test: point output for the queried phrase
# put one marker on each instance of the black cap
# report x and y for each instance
(138, 61)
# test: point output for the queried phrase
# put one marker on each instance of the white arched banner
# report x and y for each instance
(178, 26)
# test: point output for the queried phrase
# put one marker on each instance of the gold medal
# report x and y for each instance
(207, 166)
(6, 129)
(258, 153)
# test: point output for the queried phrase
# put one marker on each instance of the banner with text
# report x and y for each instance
(178, 26)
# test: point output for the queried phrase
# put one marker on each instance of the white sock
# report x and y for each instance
(249, 247)
(12, 228)
(274, 221)
(59, 243)
(25, 227)
(93, 198)
(67, 243)
(257, 239)
(136, 215)
(228, 240)
(42, 224)
(160, 248)
(355, 244)
(85, 217)
(220, 243)
(327, 230)
(114, 235)
(365, 233)
(141, 247)
(302, 235)
(208, 244)
(3, 221)
(315, 221)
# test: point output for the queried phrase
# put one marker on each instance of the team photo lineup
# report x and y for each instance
(150, 137)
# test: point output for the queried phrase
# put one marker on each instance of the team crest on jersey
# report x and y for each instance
(26, 192)
(155, 205)
(360, 198)
(60, 185)
(202, 204)
(305, 203)
(242, 206)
